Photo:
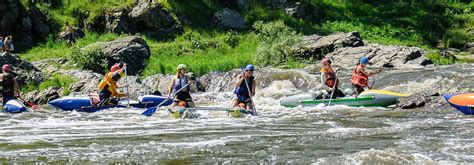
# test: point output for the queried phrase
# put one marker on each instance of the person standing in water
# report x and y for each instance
(360, 77)
(10, 88)
(244, 82)
(330, 79)
(183, 97)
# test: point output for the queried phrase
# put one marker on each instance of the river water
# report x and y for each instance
(320, 135)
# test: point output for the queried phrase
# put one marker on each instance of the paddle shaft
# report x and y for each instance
(126, 83)
(151, 111)
(333, 89)
(167, 98)
(371, 85)
(250, 95)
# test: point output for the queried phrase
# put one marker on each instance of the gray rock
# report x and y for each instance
(151, 15)
(469, 47)
(43, 97)
(26, 27)
(228, 18)
(23, 70)
(380, 56)
(243, 4)
(317, 46)
(145, 17)
(132, 50)
(296, 10)
(118, 22)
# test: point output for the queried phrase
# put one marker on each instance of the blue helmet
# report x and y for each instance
(250, 67)
(364, 60)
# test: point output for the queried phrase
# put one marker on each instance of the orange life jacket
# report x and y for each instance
(359, 78)
(330, 76)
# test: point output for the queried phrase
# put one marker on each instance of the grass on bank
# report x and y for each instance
(205, 48)
(55, 80)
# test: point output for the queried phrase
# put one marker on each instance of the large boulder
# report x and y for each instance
(469, 47)
(380, 56)
(317, 46)
(148, 18)
(43, 97)
(151, 15)
(26, 26)
(24, 71)
(229, 19)
(118, 22)
(132, 50)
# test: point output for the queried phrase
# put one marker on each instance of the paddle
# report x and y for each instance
(333, 89)
(254, 110)
(30, 104)
(371, 85)
(126, 83)
(150, 111)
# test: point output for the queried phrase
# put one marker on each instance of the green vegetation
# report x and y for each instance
(90, 58)
(276, 43)
(440, 60)
(57, 80)
(204, 47)
(202, 53)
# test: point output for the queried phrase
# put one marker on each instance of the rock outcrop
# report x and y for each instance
(26, 26)
(317, 46)
(296, 9)
(145, 17)
(380, 56)
(43, 97)
(132, 50)
(469, 47)
(229, 19)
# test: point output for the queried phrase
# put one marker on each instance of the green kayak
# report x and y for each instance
(369, 98)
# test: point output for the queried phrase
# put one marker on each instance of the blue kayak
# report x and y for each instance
(14, 106)
(87, 103)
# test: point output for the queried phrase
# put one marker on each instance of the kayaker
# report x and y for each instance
(360, 77)
(242, 95)
(108, 86)
(9, 84)
(177, 83)
(329, 77)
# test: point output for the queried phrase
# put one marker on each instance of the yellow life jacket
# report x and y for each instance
(109, 82)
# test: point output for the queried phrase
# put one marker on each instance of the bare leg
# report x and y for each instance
(235, 103)
(190, 104)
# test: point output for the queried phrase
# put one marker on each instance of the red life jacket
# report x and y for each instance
(359, 78)
(330, 76)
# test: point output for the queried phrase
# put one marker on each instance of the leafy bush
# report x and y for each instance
(276, 43)
(440, 60)
(455, 38)
(58, 81)
(90, 58)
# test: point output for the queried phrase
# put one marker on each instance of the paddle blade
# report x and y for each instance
(149, 111)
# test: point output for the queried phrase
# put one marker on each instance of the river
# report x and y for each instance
(319, 135)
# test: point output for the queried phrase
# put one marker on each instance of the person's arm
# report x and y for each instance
(374, 73)
(170, 90)
(254, 84)
(323, 81)
(240, 79)
(17, 88)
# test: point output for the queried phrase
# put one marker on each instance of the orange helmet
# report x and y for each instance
(6, 68)
(242, 105)
(182, 103)
(115, 67)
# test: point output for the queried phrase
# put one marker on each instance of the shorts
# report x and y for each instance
(185, 96)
